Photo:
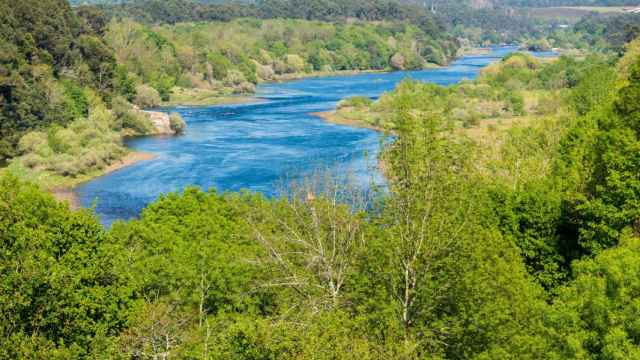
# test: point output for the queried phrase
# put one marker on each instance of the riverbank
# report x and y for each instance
(65, 192)
(205, 97)
(197, 97)
(315, 74)
(334, 117)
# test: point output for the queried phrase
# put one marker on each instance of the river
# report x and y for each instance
(262, 145)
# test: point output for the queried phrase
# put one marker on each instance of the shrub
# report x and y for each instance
(515, 103)
(185, 81)
(55, 143)
(129, 118)
(265, 72)
(244, 88)
(514, 85)
(64, 165)
(248, 69)
(100, 117)
(520, 61)
(280, 67)
(147, 97)
(220, 65)
(69, 138)
(32, 141)
(32, 161)
(90, 159)
(76, 101)
(295, 63)
(234, 77)
(355, 101)
(177, 124)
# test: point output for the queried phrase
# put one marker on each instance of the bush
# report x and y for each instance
(220, 65)
(265, 72)
(32, 161)
(355, 101)
(129, 118)
(515, 103)
(280, 67)
(520, 61)
(234, 78)
(32, 141)
(76, 102)
(185, 81)
(64, 165)
(295, 63)
(147, 97)
(90, 159)
(177, 124)
(55, 143)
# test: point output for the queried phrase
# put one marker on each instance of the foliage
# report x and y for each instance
(48, 59)
(520, 243)
(595, 316)
(177, 123)
(230, 57)
(519, 86)
(61, 294)
(147, 97)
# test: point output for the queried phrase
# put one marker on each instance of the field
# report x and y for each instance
(573, 13)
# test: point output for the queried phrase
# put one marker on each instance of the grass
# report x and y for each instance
(49, 180)
(203, 97)
(573, 13)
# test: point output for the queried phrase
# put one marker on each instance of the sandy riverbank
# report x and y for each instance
(68, 195)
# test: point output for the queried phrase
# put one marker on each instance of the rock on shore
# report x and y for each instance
(161, 122)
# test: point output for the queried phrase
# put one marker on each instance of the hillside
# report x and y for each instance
(64, 100)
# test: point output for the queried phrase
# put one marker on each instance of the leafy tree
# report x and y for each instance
(595, 316)
(60, 285)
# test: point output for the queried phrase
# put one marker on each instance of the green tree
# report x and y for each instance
(59, 284)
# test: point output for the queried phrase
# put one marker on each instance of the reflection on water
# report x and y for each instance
(256, 146)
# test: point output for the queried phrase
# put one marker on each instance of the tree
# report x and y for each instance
(321, 232)
(595, 316)
(59, 285)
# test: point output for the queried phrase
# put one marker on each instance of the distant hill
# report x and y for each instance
(487, 4)
(476, 4)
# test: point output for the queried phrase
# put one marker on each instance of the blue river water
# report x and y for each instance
(262, 145)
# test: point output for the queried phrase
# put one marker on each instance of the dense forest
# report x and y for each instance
(509, 227)
(64, 99)
(490, 23)
(172, 11)
(233, 56)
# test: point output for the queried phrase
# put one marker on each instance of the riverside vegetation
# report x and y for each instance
(214, 60)
(70, 95)
(65, 102)
(519, 240)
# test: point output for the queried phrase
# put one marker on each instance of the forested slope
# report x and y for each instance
(64, 100)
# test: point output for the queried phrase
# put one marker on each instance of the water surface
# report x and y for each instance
(258, 146)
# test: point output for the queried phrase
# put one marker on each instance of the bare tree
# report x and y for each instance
(157, 333)
(319, 229)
